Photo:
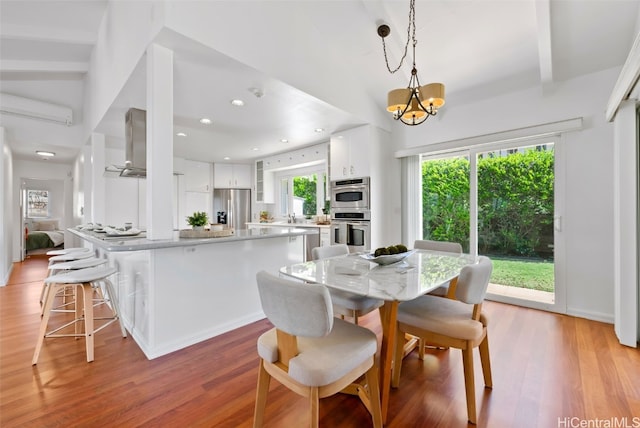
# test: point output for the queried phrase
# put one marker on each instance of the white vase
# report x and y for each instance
(198, 227)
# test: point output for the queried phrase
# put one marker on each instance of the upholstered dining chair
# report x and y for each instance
(311, 352)
(445, 247)
(452, 323)
(345, 304)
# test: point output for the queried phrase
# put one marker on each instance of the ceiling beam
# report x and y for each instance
(543, 19)
(47, 34)
(21, 66)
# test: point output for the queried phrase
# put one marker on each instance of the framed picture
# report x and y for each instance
(37, 203)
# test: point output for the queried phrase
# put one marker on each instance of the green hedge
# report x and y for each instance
(515, 203)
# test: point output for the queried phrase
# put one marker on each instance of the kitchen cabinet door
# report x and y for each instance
(325, 237)
(197, 176)
(350, 153)
(242, 176)
(231, 176)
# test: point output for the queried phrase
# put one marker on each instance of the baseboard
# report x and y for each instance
(590, 315)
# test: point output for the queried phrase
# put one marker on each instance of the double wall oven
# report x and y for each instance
(350, 213)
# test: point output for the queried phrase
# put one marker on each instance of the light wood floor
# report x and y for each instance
(546, 368)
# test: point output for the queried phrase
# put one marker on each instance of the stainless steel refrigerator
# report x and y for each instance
(232, 207)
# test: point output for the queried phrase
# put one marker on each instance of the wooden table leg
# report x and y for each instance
(388, 320)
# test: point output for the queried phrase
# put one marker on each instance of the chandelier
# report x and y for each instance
(414, 104)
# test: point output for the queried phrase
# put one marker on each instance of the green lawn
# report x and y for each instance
(537, 275)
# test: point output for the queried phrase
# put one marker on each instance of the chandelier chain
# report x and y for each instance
(410, 36)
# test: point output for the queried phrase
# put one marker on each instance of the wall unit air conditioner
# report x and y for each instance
(34, 109)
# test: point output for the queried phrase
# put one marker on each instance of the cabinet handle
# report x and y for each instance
(344, 170)
(351, 169)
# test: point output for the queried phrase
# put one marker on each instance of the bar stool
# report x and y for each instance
(61, 258)
(85, 280)
(67, 251)
(67, 266)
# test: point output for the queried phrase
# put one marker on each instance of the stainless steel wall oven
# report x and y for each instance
(352, 193)
(351, 227)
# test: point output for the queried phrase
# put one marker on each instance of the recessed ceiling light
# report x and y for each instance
(205, 120)
(259, 93)
(255, 149)
(284, 140)
(237, 103)
(43, 153)
(181, 134)
(226, 158)
(319, 129)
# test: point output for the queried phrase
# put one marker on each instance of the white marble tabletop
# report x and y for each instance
(419, 273)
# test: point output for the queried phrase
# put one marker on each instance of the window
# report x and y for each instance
(302, 192)
(37, 203)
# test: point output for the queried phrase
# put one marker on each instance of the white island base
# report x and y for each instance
(175, 296)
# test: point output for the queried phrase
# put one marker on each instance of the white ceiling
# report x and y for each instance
(476, 47)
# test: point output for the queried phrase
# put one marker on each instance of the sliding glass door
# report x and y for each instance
(500, 201)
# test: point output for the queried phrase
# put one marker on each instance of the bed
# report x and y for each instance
(42, 236)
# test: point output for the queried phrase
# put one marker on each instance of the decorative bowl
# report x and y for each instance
(387, 260)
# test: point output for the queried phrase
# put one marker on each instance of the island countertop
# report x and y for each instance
(140, 242)
(285, 224)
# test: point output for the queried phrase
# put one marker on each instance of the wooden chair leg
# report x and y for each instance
(397, 360)
(264, 379)
(467, 362)
(374, 396)
(486, 362)
(314, 401)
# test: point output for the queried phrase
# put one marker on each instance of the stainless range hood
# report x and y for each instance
(135, 164)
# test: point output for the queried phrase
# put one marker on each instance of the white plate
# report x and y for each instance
(387, 260)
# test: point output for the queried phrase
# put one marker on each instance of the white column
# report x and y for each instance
(98, 191)
(87, 186)
(159, 142)
(626, 221)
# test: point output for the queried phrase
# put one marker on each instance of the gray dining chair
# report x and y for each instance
(345, 304)
(310, 351)
(445, 247)
(454, 323)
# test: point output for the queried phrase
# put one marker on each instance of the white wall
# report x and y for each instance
(588, 220)
(7, 209)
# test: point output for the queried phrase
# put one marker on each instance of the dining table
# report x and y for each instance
(414, 274)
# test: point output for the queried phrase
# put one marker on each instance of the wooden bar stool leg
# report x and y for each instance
(48, 304)
(87, 291)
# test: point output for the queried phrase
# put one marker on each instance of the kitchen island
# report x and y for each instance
(176, 292)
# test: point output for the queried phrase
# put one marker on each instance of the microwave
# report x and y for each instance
(352, 193)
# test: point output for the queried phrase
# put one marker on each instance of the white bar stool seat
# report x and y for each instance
(67, 266)
(61, 258)
(67, 251)
(85, 280)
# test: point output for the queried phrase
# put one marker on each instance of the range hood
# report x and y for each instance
(135, 164)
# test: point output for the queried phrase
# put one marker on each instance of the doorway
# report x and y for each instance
(502, 201)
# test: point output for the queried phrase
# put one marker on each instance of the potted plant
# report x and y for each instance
(197, 220)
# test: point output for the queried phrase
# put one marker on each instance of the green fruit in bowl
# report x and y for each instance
(381, 252)
(392, 249)
(401, 248)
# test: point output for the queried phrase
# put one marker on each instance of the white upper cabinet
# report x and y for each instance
(350, 151)
(231, 176)
(264, 190)
(197, 176)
